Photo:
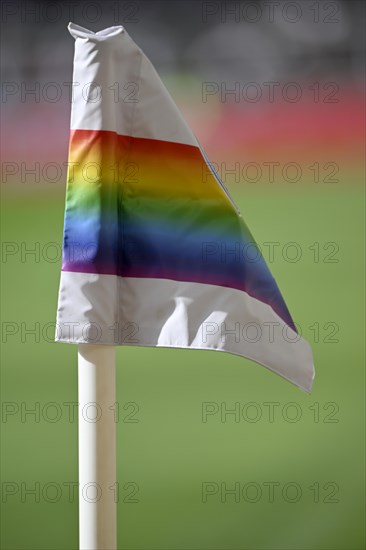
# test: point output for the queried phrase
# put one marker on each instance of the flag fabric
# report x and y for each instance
(155, 250)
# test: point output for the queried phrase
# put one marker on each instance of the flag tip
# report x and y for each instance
(77, 31)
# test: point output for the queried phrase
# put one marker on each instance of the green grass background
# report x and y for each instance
(169, 452)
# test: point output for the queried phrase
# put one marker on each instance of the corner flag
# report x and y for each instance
(155, 252)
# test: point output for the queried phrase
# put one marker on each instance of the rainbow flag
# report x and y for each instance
(155, 251)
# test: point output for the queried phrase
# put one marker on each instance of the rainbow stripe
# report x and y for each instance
(148, 208)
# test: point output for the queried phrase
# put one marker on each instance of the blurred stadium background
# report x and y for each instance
(289, 144)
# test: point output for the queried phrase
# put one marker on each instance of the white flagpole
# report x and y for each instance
(97, 447)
